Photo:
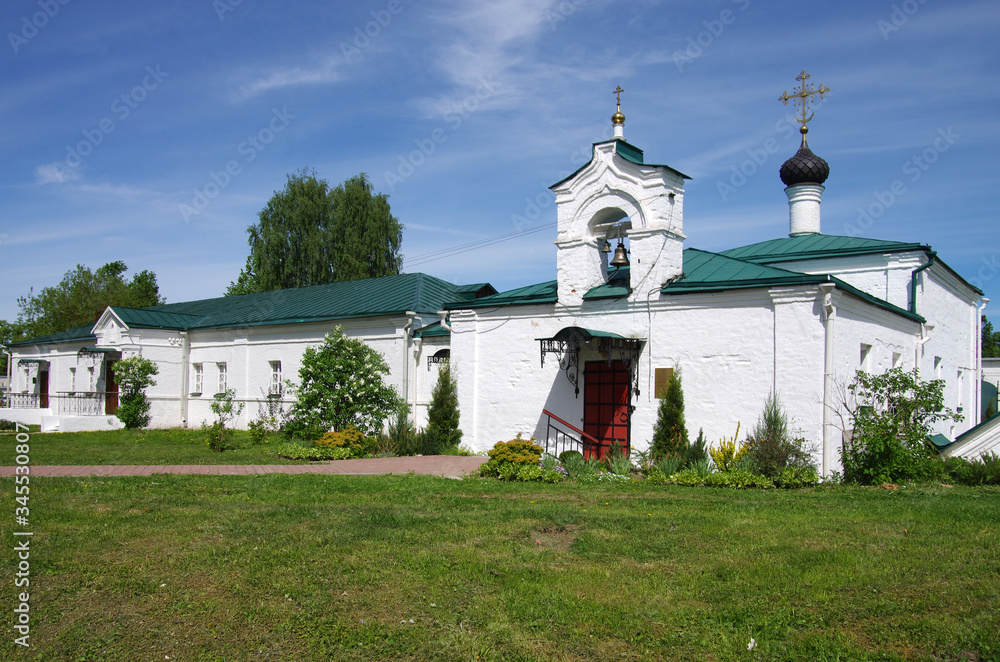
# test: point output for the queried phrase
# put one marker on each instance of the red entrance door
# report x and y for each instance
(605, 406)
(110, 389)
(43, 389)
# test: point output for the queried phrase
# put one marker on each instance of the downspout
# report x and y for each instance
(410, 317)
(978, 340)
(931, 255)
(443, 314)
(829, 449)
(185, 362)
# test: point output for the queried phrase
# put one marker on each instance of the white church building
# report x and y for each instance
(581, 358)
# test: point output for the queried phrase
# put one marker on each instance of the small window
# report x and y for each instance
(223, 381)
(199, 379)
(937, 367)
(275, 387)
(897, 360)
(866, 351)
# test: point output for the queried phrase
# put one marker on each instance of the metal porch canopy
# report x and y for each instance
(566, 346)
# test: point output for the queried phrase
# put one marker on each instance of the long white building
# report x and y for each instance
(582, 357)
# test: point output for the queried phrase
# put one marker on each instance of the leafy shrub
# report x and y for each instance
(984, 471)
(794, 477)
(349, 438)
(517, 452)
(727, 453)
(770, 446)
(133, 375)
(569, 456)
(892, 416)
(258, 432)
(297, 452)
(225, 409)
(528, 473)
(6, 425)
(688, 477)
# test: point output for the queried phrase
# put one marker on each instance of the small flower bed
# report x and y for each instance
(297, 452)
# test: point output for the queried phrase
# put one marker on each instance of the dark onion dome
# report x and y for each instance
(804, 168)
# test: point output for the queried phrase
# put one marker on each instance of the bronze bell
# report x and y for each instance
(621, 255)
(606, 248)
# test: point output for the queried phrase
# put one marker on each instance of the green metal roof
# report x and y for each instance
(389, 295)
(540, 293)
(616, 287)
(813, 246)
(139, 318)
(714, 272)
(473, 291)
(77, 333)
(820, 246)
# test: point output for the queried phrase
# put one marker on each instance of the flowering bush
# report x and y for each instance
(342, 385)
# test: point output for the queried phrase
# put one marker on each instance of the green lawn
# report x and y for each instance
(175, 446)
(415, 568)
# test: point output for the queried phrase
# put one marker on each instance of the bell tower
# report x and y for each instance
(618, 198)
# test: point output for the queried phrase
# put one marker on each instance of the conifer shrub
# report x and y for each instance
(670, 436)
(443, 415)
(771, 447)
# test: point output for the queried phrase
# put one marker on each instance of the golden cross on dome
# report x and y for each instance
(618, 95)
(618, 119)
(801, 97)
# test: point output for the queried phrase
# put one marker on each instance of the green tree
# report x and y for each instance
(892, 415)
(82, 296)
(670, 435)
(341, 384)
(311, 234)
(443, 415)
(991, 340)
(133, 375)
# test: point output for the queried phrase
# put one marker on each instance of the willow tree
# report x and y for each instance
(312, 234)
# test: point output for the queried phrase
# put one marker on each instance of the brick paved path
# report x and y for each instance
(432, 465)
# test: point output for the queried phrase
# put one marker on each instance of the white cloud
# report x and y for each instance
(326, 72)
(55, 173)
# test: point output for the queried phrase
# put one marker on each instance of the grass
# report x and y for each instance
(176, 446)
(314, 567)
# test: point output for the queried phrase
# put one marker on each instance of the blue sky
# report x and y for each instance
(154, 133)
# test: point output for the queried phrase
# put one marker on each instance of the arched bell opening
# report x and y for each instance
(610, 228)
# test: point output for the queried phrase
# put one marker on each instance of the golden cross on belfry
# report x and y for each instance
(618, 95)
(801, 96)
